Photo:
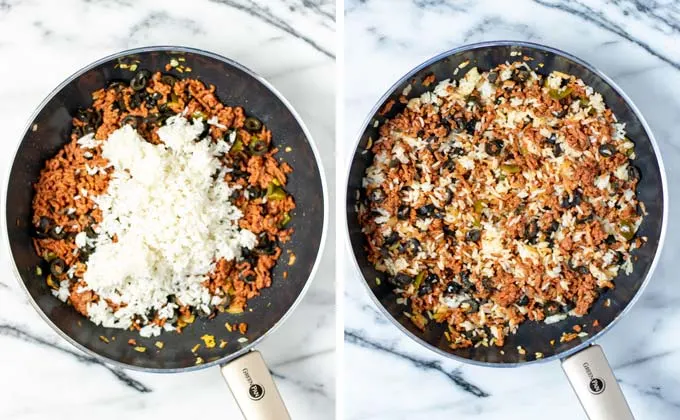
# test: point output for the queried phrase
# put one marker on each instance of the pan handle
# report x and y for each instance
(254, 389)
(593, 380)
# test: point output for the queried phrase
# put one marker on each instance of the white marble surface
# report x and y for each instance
(289, 42)
(390, 377)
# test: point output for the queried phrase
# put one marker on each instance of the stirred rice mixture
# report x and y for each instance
(504, 197)
(123, 142)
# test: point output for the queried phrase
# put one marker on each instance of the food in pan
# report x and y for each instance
(503, 197)
(165, 205)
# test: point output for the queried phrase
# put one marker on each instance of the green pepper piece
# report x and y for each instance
(419, 279)
(198, 114)
(285, 220)
(274, 192)
(557, 95)
(627, 230)
(479, 206)
(237, 146)
(584, 102)
(509, 169)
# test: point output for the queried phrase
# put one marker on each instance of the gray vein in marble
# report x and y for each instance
(457, 6)
(315, 6)
(598, 18)
(310, 387)
(651, 9)
(14, 332)
(263, 13)
(357, 337)
(303, 358)
(652, 391)
(645, 359)
(158, 18)
(494, 23)
(112, 3)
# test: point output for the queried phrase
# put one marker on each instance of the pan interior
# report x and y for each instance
(535, 338)
(234, 86)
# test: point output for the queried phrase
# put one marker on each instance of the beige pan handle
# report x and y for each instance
(595, 385)
(254, 389)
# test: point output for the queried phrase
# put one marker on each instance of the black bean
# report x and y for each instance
(425, 211)
(552, 139)
(493, 147)
(607, 150)
(633, 173)
(452, 288)
(57, 267)
(465, 280)
(431, 278)
(610, 240)
(620, 258)
(457, 151)
(562, 113)
(449, 232)
(403, 212)
(492, 77)
(45, 223)
(471, 126)
(136, 100)
(400, 280)
(413, 246)
(473, 235)
(473, 100)
(140, 80)
(531, 231)
(520, 75)
(582, 269)
(391, 239)
(554, 225)
(377, 195)
(424, 289)
(586, 219)
(523, 301)
(557, 150)
(573, 201)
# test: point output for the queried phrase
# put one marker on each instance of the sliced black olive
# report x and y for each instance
(431, 278)
(425, 211)
(470, 306)
(523, 301)
(633, 173)
(57, 232)
(89, 231)
(492, 77)
(449, 232)
(620, 259)
(493, 147)
(531, 231)
(250, 278)
(520, 75)
(400, 280)
(607, 150)
(457, 151)
(391, 239)
(140, 80)
(116, 84)
(253, 125)
(424, 289)
(452, 288)
(567, 307)
(471, 126)
(257, 146)
(403, 212)
(45, 224)
(473, 100)
(249, 257)
(131, 120)
(255, 192)
(610, 240)
(57, 267)
(265, 245)
(557, 150)
(413, 246)
(552, 139)
(574, 201)
(168, 79)
(473, 235)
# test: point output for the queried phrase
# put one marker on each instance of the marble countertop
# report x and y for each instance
(292, 44)
(388, 376)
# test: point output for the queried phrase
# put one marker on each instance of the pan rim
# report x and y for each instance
(317, 158)
(664, 222)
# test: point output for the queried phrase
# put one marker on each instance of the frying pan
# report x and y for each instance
(247, 375)
(583, 362)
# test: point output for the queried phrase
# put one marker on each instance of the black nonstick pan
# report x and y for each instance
(583, 362)
(49, 129)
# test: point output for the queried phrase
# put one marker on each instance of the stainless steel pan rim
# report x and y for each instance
(317, 158)
(643, 122)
